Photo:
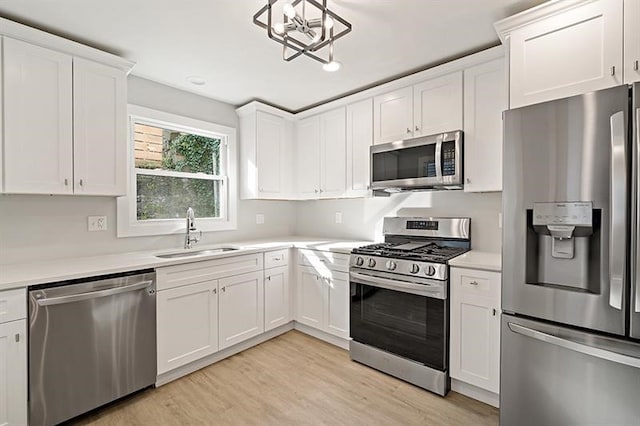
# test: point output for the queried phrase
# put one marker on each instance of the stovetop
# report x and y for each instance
(417, 251)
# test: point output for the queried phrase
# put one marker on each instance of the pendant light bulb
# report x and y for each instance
(332, 66)
(328, 23)
(278, 28)
(289, 10)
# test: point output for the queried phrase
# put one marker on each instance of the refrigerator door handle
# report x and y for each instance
(575, 346)
(637, 188)
(617, 209)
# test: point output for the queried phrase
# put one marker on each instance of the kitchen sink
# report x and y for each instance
(196, 253)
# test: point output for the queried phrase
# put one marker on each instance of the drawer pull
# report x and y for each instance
(635, 65)
(17, 337)
(474, 283)
(494, 312)
(613, 70)
(277, 259)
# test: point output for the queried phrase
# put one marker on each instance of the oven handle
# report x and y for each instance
(429, 290)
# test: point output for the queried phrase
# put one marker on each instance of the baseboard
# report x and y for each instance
(319, 334)
(172, 375)
(475, 392)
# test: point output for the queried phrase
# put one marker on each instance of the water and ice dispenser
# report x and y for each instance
(563, 245)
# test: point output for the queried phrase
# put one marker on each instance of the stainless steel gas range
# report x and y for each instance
(400, 299)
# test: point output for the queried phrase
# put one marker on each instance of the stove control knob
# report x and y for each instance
(431, 271)
(391, 265)
(415, 268)
(359, 261)
(372, 263)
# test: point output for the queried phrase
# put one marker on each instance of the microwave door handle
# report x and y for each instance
(617, 209)
(439, 159)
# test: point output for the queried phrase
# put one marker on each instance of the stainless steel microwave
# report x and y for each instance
(426, 162)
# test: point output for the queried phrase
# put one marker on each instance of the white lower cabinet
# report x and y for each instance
(323, 292)
(187, 319)
(241, 308)
(475, 327)
(277, 310)
(13, 358)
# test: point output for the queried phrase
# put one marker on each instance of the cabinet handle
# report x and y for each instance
(635, 65)
(269, 278)
(468, 180)
(277, 259)
(66, 182)
(474, 283)
(417, 129)
(368, 187)
(317, 278)
(17, 337)
(215, 291)
(224, 289)
(315, 190)
(321, 191)
(408, 130)
(613, 70)
(81, 182)
(494, 312)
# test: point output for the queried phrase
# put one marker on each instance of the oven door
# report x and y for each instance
(403, 318)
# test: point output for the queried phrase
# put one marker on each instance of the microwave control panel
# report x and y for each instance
(448, 159)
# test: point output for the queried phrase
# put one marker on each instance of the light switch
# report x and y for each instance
(259, 219)
(338, 217)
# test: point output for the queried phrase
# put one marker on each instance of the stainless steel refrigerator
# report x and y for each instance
(570, 339)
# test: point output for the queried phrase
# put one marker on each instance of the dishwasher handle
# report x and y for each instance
(93, 294)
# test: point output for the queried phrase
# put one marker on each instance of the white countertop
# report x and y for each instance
(478, 260)
(19, 275)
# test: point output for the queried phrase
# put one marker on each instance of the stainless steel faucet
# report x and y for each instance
(192, 235)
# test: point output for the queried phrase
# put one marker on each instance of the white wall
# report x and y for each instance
(34, 227)
(362, 217)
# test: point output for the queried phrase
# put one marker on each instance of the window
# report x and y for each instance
(176, 163)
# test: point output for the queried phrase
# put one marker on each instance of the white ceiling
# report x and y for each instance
(217, 40)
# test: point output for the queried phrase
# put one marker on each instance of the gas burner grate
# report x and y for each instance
(431, 252)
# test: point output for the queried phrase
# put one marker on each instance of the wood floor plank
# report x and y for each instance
(293, 379)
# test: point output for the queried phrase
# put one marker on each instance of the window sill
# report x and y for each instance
(169, 226)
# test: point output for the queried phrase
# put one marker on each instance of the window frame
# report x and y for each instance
(129, 226)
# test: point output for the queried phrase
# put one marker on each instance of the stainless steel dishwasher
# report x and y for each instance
(90, 342)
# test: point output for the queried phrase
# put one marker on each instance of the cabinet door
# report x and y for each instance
(276, 297)
(338, 304)
(333, 151)
(475, 328)
(485, 97)
(308, 155)
(631, 41)
(359, 140)
(38, 145)
(570, 53)
(241, 308)
(187, 319)
(437, 105)
(311, 297)
(270, 137)
(13, 373)
(393, 116)
(99, 129)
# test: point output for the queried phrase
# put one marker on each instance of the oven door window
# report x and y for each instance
(405, 163)
(404, 324)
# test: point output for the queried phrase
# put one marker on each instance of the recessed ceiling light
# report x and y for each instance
(196, 80)
(332, 66)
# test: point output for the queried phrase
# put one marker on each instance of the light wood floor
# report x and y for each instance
(293, 379)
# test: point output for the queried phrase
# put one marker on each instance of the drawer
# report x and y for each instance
(207, 270)
(331, 260)
(13, 305)
(478, 283)
(273, 259)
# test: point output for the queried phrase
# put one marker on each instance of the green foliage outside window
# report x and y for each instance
(166, 197)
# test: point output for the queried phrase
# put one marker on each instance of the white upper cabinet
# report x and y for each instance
(359, 140)
(308, 157)
(265, 152)
(321, 142)
(64, 120)
(631, 41)
(437, 105)
(485, 98)
(333, 162)
(561, 49)
(99, 129)
(393, 116)
(38, 135)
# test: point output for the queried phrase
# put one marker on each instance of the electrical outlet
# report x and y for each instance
(97, 223)
(338, 217)
(259, 219)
